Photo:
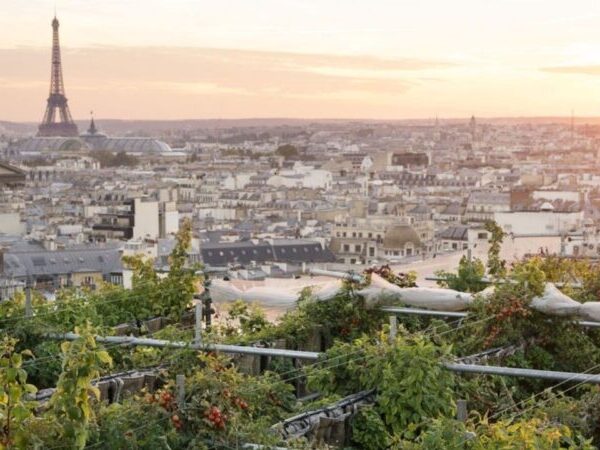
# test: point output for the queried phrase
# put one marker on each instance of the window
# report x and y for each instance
(41, 261)
(346, 247)
(357, 248)
(221, 253)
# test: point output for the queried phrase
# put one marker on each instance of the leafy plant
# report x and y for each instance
(70, 403)
(468, 277)
(496, 265)
(15, 409)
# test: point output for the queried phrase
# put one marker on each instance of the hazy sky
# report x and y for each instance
(175, 59)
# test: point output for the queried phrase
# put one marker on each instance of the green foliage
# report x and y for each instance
(532, 434)
(135, 423)
(45, 373)
(16, 411)
(171, 295)
(412, 386)
(496, 265)
(120, 159)
(70, 404)
(414, 403)
(287, 151)
(251, 319)
(369, 431)
(524, 434)
(344, 317)
(468, 277)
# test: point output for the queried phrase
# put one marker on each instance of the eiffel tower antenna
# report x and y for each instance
(57, 119)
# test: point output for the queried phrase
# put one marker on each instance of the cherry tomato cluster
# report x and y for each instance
(177, 423)
(216, 418)
(491, 337)
(515, 307)
(164, 399)
(240, 403)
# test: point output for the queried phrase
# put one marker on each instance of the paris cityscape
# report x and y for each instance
(290, 232)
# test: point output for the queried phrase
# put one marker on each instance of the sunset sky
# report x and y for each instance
(387, 59)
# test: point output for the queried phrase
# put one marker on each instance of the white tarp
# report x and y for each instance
(225, 291)
(555, 302)
(552, 302)
(590, 311)
(432, 298)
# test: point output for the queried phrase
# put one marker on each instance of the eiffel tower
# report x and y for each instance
(57, 119)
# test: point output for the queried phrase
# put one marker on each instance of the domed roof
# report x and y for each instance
(397, 236)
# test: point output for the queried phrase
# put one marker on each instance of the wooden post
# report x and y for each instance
(198, 325)
(28, 305)
(180, 381)
(393, 327)
(461, 410)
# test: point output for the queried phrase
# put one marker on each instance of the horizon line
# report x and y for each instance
(338, 119)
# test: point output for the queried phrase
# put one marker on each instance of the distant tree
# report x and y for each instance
(287, 151)
(34, 162)
(109, 159)
(123, 159)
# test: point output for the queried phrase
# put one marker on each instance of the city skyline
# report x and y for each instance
(380, 60)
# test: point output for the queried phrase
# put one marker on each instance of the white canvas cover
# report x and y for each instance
(555, 302)
(423, 297)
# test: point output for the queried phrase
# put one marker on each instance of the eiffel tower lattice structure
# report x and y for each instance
(57, 119)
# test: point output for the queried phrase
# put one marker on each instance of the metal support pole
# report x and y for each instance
(393, 328)
(236, 349)
(526, 373)
(28, 303)
(422, 312)
(180, 381)
(198, 326)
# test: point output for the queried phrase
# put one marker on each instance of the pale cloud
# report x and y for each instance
(167, 74)
(574, 70)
